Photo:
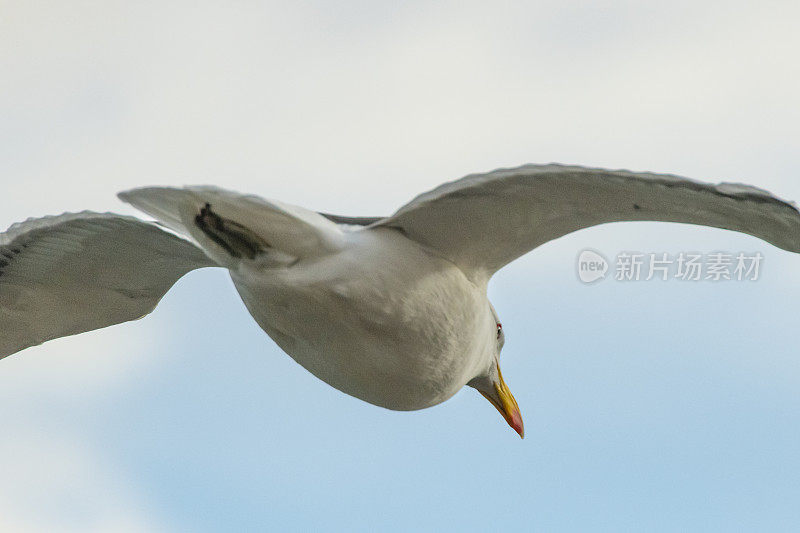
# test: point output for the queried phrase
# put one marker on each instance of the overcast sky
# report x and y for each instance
(648, 405)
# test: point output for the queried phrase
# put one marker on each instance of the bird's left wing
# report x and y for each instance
(82, 271)
(484, 221)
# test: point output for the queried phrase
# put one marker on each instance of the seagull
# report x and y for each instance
(391, 310)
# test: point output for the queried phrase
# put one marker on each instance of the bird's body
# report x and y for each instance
(392, 310)
(380, 318)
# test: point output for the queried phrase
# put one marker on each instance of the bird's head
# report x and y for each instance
(491, 385)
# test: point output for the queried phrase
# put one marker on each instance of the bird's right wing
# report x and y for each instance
(77, 272)
(484, 221)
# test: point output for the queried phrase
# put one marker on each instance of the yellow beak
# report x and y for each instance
(505, 403)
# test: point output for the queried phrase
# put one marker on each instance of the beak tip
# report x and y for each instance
(516, 423)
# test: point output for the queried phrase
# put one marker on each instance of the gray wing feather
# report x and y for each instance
(484, 221)
(77, 272)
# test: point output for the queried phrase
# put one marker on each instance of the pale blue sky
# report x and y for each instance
(658, 406)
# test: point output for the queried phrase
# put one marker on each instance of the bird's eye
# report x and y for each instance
(499, 329)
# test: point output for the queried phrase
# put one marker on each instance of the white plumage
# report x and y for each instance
(390, 310)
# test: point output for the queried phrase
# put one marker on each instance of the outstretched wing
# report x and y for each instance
(78, 272)
(484, 221)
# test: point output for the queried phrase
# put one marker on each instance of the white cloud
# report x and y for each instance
(82, 366)
(299, 102)
(54, 482)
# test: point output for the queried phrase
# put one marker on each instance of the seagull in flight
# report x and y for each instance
(392, 310)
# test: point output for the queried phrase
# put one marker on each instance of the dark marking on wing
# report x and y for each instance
(234, 238)
(747, 195)
(8, 253)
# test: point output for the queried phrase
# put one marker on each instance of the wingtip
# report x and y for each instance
(128, 194)
(123, 196)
